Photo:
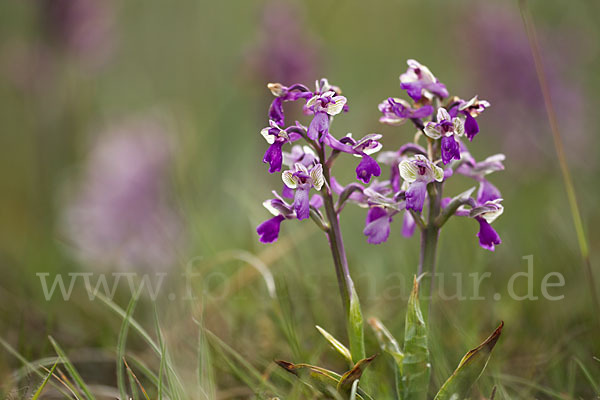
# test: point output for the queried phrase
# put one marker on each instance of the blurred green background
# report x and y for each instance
(92, 90)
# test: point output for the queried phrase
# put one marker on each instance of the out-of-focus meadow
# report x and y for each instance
(130, 143)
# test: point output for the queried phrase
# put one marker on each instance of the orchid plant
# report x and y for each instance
(418, 171)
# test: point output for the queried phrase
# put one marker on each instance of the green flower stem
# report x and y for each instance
(336, 242)
(429, 243)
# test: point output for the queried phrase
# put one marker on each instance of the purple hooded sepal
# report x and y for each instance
(471, 127)
(377, 227)
(302, 202)
(319, 126)
(274, 157)
(450, 149)
(415, 89)
(268, 231)
(276, 111)
(488, 237)
(415, 196)
(366, 168)
(487, 192)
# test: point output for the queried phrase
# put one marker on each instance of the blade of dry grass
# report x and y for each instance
(560, 152)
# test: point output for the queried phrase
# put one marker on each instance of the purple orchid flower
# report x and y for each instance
(302, 180)
(478, 171)
(323, 105)
(282, 94)
(417, 173)
(394, 158)
(277, 137)
(446, 128)
(397, 111)
(377, 225)
(418, 81)
(382, 210)
(268, 231)
(485, 214)
(300, 154)
(363, 147)
(382, 207)
(470, 109)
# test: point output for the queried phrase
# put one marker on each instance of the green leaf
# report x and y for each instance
(389, 345)
(343, 350)
(71, 370)
(43, 385)
(469, 369)
(355, 329)
(344, 386)
(415, 364)
(387, 342)
(321, 379)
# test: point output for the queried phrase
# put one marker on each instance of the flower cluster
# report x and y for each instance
(417, 170)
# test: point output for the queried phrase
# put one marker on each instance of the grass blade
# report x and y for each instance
(121, 343)
(588, 376)
(141, 331)
(71, 370)
(227, 352)
(43, 385)
(206, 374)
(30, 366)
(560, 153)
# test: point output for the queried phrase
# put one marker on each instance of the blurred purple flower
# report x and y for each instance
(118, 216)
(82, 27)
(285, 51)
(500, 58)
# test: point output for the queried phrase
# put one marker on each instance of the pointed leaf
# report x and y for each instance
(469, 369)
(355, 329)
(321, 379)
(345, 384)
(415, 364)
(389, 344)
(343, 350)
